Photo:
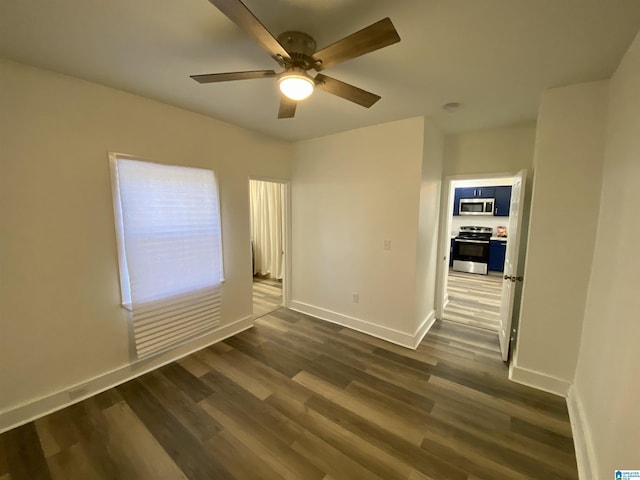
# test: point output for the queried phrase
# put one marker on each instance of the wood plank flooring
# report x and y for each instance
(298, 398)
(267, 296)
(474, 299)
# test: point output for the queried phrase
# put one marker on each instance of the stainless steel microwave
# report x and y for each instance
(477, 206)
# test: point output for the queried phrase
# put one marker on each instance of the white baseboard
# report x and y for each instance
(26, 412)
(424, 328)
(539, 380)
(445, 301)
(385, 333)
(583, 444)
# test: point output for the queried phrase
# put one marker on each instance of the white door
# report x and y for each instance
(514, 232)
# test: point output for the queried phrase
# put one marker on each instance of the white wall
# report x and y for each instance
(428, 222)
(490, 151)
(606, 383)
(564, 212)
(350, 192)
(61, 320)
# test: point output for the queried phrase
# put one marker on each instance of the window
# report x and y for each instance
(169, 249)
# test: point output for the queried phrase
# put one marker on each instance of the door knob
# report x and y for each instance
(513, 278)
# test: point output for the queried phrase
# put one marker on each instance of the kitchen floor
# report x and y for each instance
(474, 299)
(267, 295)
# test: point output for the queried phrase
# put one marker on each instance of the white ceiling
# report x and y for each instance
(493, 56)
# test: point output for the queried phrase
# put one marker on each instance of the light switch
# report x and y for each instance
(356, 297)
(387, 244)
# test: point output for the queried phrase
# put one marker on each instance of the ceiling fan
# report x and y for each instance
(296, 53)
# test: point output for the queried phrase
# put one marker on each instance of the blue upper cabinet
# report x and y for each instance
(476, 192)
(503, 201)
(466, 192)
(485, 192)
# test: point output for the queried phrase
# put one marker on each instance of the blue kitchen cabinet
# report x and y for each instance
(456, 201)
(497, 251)
(503, 201)
(453, 240)
(466, 192)
(485, 192)
(475, 192)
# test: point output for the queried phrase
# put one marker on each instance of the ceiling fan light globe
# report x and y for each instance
(296, 86)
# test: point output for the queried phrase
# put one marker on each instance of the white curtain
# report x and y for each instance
(267, 222)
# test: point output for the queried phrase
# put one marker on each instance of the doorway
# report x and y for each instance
(269, 240)
(480, 238)
(473, 296)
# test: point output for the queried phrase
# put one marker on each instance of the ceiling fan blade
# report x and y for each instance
(380, 34)
(225, 77)
(287, 107)
(346, 91)
(239, 14)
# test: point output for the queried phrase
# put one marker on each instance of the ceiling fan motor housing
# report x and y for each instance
(300, 46)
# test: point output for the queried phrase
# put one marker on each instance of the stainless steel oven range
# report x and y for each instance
(471, 250)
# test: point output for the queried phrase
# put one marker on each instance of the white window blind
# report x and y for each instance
(169, 249)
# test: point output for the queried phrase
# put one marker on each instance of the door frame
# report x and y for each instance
(287, 240)
(444, 237)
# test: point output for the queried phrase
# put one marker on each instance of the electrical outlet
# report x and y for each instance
(356, 297)
(387, 244)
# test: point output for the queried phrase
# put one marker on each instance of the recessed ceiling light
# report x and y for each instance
(451, 107)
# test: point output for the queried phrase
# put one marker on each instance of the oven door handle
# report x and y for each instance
(464, 240)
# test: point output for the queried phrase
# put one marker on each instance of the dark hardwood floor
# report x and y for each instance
(298, 398)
